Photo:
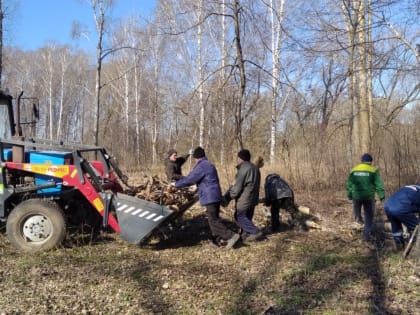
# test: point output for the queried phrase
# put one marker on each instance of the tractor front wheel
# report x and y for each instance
(36, 225)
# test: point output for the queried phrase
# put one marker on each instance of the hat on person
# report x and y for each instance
(366, 158)
(244, 155)
(198, 153)
(171, 151)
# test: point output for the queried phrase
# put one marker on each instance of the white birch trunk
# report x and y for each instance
(200, 76)
(136, 110)
(50, 95)
(126, 109)
(275, 48)
(222, 81)
(62, 86)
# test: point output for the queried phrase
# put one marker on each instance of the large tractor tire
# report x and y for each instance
(36, 225)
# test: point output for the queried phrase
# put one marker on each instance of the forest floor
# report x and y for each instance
(294, 271)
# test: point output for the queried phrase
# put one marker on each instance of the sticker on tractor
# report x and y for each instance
(50, 170)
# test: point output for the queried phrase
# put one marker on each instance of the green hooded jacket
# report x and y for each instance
(363, 181)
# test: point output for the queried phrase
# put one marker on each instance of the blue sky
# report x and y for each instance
(35, 23)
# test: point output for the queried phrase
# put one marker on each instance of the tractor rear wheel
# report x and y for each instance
(36, 225)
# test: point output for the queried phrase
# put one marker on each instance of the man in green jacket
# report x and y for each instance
(363, 181)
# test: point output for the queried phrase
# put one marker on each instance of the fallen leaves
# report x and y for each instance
(292, 272)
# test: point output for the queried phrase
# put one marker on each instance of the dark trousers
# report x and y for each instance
(244, 220)
(368, 213)
(284, 203)
(410, 220)
(217, 227)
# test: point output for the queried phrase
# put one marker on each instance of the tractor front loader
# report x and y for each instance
(51, 184)
(46, 185)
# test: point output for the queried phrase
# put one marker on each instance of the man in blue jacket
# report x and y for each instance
(204, 175)
(403, 207)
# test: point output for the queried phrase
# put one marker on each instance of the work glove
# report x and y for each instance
(173, 184)
(191, 152)
(350, 200)
(192, 188)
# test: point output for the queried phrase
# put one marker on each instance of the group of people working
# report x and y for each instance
(401, 208)
(244, 192)
(364, 180)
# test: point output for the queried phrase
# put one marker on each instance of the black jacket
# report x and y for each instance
(276, 188)
(173, 168)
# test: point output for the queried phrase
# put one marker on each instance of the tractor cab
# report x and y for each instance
(11, 124)
(7, 122)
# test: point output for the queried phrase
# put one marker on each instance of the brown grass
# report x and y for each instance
(292, 272)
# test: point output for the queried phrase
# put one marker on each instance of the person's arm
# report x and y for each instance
(193, 178)
(169, 171)
(236, 189)
(379, 185)
(267, 198)
(182, 159)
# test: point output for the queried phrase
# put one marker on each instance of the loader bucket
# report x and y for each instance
(137, 217)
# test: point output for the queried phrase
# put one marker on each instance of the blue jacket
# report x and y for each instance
(404, 201)
(204, 175)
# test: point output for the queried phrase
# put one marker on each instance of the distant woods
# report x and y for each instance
(308, 85)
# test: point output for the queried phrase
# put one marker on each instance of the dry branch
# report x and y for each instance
(160, 192)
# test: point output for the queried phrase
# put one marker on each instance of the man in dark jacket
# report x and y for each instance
(173, 165)
(362, 183)
(245, 192)
(403, 207)
(205, 176)
(278, 194)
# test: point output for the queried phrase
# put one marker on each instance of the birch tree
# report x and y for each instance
(276, 15)
(200, 72)
(222, 79)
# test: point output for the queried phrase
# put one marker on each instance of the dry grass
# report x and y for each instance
(292, 272)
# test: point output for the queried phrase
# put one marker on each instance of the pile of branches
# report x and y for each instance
(160, 192)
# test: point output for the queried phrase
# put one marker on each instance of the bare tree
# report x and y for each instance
(354, 15)
(240, 63)
(99, 8)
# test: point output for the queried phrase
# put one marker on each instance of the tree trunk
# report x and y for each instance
(99, 18)
(222, 83)
(362, 71)
(348, 12)
(241, 65)
(200, 75)
(275, 47)
(369, 62)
